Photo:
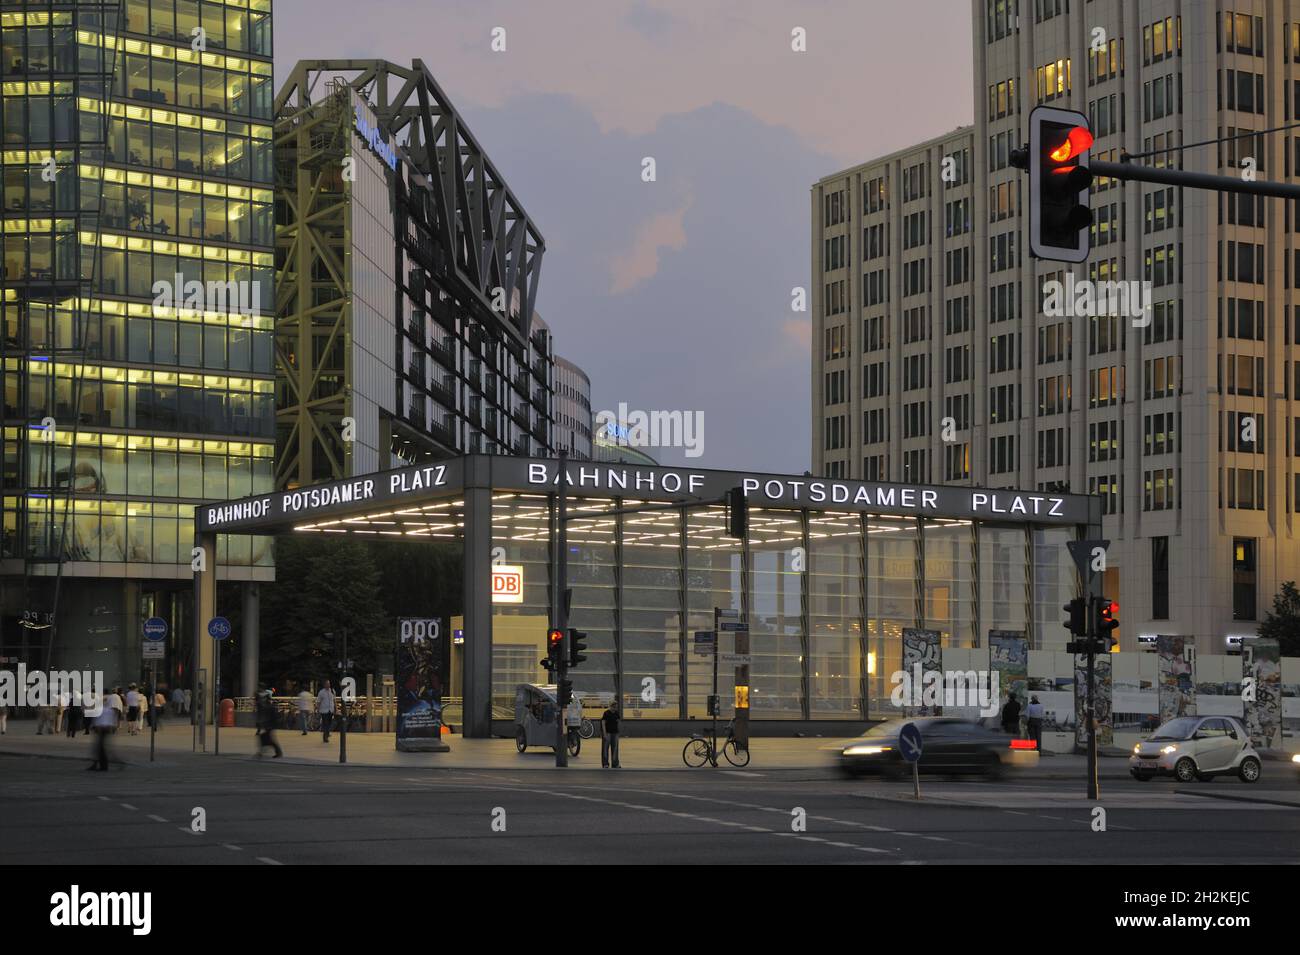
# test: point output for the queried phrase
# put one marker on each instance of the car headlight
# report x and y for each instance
(1168, 749)
(1296, 758)
(1137, 748)
(866, 750)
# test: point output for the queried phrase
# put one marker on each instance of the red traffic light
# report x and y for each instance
(554, 638)
(1079, 140)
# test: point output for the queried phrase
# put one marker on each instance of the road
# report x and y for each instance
(269, 813)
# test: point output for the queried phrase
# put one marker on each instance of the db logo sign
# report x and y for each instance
(507, 584)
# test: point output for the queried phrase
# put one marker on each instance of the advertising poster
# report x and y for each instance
(1176, 687)
(1009, 657)
(418, 683)
(1261, 664)
(920, 656)
(1102, 710)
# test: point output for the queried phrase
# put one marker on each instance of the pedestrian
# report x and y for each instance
(1034, 722)
(132, 708)
(1011, 716)
(159, 708)
(178, 701)
(325, 707)
(187, 700)
(110, 713)
(65, 701)
(305, 700)
(75, 716)
(609, 736)
(4, 719)
(266, 725)
(45, 719)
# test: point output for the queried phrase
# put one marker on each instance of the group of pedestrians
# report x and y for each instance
(1033, 719)
(325, 703)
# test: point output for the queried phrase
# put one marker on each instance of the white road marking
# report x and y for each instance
(127, 805)
(268, 861)
(157, 818)
(227, 845)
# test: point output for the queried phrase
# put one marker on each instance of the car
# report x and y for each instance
(1196, 747)
(948, 745)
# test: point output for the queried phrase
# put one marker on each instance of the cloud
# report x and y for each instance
(631, 268)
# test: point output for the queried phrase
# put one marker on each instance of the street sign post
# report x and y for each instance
(153, 648)
(909, 747)
(218, 629)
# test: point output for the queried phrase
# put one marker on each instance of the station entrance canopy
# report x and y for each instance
(880, 557)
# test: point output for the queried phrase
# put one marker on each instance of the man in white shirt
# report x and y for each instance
(1034, 722)
(325, 707)
(305, 700)
(106, 722)
(132, 709)
(178, 701)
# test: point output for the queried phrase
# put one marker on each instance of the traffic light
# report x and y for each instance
(1077, 624)
(737, 513)
(565, 693)
(1059, 215)
(1105, 610)
(577, 643)
(554, 649)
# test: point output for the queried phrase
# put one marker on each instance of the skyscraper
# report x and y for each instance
(935, 357)
(138, 300)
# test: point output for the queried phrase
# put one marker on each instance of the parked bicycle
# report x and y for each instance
(699, 750)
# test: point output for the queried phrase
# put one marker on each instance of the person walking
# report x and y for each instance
(1034, 722)
(159, 708)
(133, 702)
(266, 725)
(187, 700)
(4, 719)
(305, 701)
(325, 707)
(1011, 716)
(609, 736)
(178, 701)
(45, 720)
(110, 715)
(73, 719)
(65, 701)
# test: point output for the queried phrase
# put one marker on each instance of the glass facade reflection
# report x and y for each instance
(138, 294)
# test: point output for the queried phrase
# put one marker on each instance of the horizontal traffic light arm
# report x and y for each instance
(1192, 180)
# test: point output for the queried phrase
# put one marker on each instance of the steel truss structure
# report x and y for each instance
(486, 249)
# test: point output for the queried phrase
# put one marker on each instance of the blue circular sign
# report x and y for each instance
(909, 742)
(155, 629)
(219, 628)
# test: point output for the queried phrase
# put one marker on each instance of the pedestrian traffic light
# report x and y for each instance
(1106, 621)
(1057, 159)
(577, 643)
(554, 648)
(737, 513)
(565, 692)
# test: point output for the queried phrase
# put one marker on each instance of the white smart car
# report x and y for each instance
(1196, 747)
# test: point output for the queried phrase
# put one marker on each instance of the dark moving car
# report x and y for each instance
(949, 745)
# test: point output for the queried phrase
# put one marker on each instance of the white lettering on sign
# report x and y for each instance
(507, 584)
(403, 482)
(240, 511)
(292, 502)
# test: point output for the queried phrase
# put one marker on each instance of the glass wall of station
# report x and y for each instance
(827, 596)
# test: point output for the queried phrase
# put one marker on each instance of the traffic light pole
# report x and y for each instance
(1093, 790)
(561, 608)
(1192, 180)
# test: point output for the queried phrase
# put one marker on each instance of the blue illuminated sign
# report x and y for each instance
(375, 140)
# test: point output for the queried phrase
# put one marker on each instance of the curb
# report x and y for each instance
(1234, 798)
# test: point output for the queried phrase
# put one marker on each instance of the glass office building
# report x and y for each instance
(138, 292)
(828, 576)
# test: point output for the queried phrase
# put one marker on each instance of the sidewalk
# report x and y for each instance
(768, 754)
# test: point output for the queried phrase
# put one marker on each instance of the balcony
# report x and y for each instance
(540, 400)
(444, 391)
(521, 416)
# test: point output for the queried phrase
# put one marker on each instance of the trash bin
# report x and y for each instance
(227, 712)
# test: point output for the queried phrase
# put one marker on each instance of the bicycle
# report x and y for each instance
(573, 740)
(699, 750)
(587, 729)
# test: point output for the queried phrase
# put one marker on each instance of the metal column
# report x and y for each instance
(478, 607)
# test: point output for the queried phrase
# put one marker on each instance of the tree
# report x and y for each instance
(1283, 621)
(323, 585)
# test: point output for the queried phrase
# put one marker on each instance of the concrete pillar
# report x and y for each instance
(205, 608)
(478, 605)
(251, 643)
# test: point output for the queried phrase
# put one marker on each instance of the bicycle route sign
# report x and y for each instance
(218, 628)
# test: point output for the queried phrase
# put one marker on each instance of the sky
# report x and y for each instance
(674, 294)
